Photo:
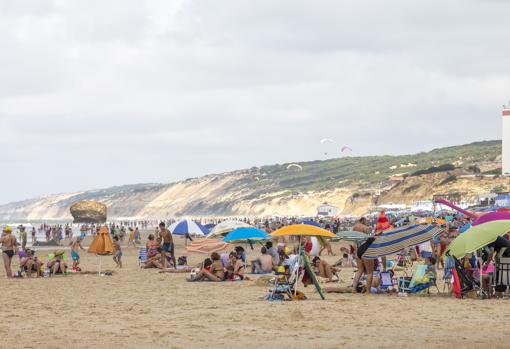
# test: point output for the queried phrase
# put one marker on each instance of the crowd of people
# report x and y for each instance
(274, 255)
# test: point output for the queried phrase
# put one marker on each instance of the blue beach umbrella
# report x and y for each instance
(188, 227)
(315, 224)
(209, 227)
(246, 235)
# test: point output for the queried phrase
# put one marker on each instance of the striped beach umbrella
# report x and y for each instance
(351, 236)
(187, 227)
(396, 240)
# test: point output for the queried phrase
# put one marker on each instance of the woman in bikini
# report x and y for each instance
(236, 271)
(9, 245)
(216, 272)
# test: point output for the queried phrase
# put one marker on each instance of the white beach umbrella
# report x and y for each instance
(226, 227)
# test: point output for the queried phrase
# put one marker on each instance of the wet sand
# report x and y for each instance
(137, 308)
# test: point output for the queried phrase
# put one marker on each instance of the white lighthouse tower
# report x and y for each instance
(506, 142)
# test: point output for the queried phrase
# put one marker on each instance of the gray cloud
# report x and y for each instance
(98, 93)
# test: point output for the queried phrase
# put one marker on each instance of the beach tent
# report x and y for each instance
(102, 245)
(226, 227)
(187, 227)
(396, 240)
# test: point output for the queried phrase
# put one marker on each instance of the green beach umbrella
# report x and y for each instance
(477, 237)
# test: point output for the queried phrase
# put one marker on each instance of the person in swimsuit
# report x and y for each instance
(152, 246)
(237, 268)
(57, 265)
(30, 264)
(9, 245)
(168, 244)
(117, 257)
(76, 245)
(215, 272)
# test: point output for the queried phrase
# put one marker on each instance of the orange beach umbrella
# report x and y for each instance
(302, 230)
(102, 243)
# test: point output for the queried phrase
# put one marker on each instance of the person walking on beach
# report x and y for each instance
(168, 244)
(9, 245)
(117, 257)
(74, 253)
(23, 237)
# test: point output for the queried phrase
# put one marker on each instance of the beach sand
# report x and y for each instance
(137, 308)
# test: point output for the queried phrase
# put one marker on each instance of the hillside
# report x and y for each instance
(351, 183)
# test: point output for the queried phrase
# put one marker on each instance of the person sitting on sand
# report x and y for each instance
(263, 264)
(346, 260)
(155, 261)
(324, 270)
(76, 245)
(215, 272)
(29, 263)
(236, 271)
(57, 265)
(241, 253)
(9, 248)
(152, 246)
(273, 252)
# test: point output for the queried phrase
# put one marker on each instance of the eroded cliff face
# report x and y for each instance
(352, 184)
(214, 196)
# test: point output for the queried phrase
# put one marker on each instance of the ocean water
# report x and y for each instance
(40, 235)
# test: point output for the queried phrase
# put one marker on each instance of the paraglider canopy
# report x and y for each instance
(296, 166)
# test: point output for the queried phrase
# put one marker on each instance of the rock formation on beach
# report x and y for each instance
(88, 212)
(352, 184)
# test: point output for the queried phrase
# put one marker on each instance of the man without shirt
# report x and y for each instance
(168, 244)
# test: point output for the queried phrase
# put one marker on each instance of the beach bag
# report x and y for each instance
(192, 276)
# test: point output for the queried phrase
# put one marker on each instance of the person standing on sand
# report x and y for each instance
(74, 253)
(23, 237)
(117, 257)
(168, 244)
(364, 265)
(9, 245)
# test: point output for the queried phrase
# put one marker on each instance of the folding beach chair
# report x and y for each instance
(502, 279)
(284, 284)
(410, 285)
(142, 255)
(449, 265)
(386, 280)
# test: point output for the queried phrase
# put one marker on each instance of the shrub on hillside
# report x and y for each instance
(434, 169)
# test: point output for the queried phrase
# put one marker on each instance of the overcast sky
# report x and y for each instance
(102, 93)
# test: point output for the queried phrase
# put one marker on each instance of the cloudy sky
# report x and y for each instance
(101, 93)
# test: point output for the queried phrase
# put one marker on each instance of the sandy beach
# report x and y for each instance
(138, 308)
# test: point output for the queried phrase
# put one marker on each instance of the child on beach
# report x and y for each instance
(117, 257)
(74, 253)
(131, 239)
